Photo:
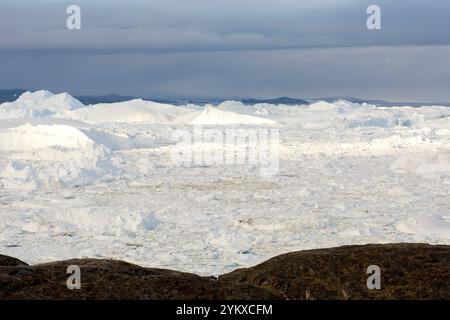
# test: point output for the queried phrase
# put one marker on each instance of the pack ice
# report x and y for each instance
(98, 181)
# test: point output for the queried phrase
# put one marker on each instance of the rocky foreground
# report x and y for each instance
(408, 271)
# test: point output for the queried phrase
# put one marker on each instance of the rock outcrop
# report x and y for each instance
(408, 271)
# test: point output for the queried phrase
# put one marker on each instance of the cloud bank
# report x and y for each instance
(236, 48)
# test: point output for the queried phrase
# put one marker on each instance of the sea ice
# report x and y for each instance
(99, 181)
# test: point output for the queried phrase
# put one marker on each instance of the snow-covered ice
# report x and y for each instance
(214, 116)
(39, 104)
(98, 181)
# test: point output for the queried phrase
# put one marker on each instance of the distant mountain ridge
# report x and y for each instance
(280, 100)
(10, 95)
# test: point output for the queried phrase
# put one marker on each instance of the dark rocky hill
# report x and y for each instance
(408, 271)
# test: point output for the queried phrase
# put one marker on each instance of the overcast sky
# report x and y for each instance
(229, 48)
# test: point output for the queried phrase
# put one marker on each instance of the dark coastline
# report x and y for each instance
(408, 272)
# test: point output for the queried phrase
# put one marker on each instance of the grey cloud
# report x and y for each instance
(168, 26)
(259, 48)
(403, 73)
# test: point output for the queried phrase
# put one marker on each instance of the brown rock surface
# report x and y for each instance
(111, 279)
(8, 261)
(408, 271)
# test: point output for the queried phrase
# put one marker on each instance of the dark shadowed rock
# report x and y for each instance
(409, 271)
(110, 279)
(8, 261)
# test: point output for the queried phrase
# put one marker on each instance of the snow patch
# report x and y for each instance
(87, 221)
(322, 106)
(425, 226)
(48, 156)
(214, 116)
(38, 104)
(29, 137)
(133, 111)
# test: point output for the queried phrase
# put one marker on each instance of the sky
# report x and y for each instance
(229, 48)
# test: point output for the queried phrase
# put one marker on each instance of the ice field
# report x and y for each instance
(99, 181)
